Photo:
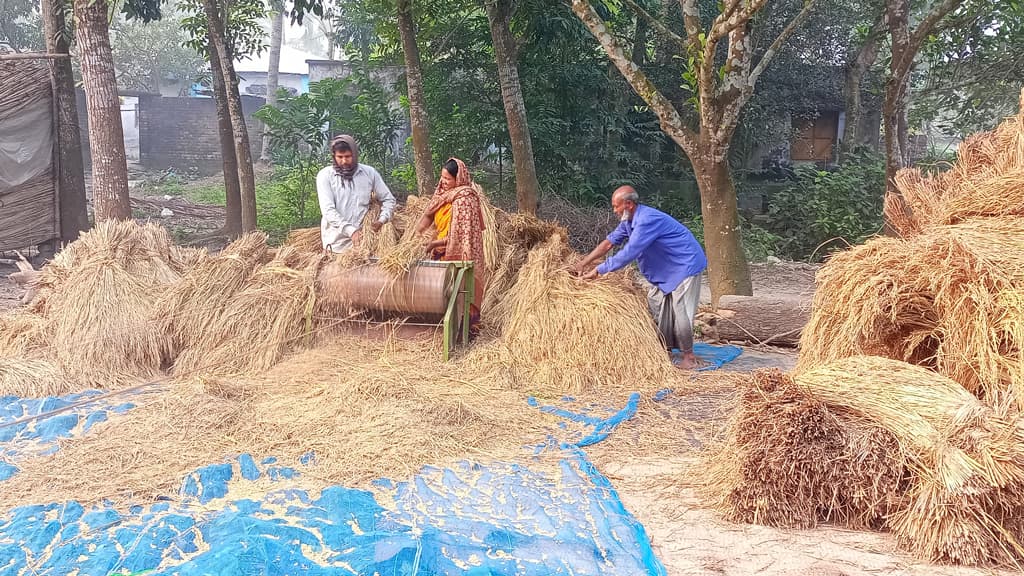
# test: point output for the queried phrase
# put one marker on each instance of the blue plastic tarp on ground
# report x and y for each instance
(469, 519)
(23, 433)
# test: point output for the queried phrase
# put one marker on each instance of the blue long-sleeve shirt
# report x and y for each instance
(664, 249)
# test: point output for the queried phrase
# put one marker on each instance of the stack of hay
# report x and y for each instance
(123, 304)
(562, 334)
(910, 382)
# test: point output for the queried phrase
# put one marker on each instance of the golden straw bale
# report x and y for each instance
(30, 378)
(100, 321)
(189, 309)
(987, 179)
(564, 334)
(305, 239)
(517, 234)
(261, 322)
(948, 298)
(966, 458)
(790, 461)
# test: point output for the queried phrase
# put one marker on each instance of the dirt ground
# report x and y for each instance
(660, 490)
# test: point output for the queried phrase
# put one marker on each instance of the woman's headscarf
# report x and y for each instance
(462, 180)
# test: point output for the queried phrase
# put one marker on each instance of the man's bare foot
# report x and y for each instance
(691, 362)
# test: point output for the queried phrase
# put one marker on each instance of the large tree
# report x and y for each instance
(418, 118)
(722, 70)
(106, 135)
(74, 217)
(499, 15)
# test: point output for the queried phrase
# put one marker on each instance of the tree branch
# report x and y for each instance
(691, 21)
(671, 122)
(776, 45)
(658, 25)
(731, 19)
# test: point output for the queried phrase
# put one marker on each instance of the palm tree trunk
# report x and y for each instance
(106, 135)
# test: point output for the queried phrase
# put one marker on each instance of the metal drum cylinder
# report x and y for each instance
(423, 290)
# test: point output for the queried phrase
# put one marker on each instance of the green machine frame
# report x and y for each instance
(462, 287)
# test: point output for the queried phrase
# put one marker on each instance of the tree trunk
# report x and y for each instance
(865, 57)
(527, 186)
(776, 320)
(417, 101)
(276, 34)
(106, 135)
(74, 216)
(232, 189)
(243, 154)
(728, 272)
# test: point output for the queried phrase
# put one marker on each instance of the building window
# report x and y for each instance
(814, 138)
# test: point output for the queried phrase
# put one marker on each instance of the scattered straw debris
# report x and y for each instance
(367, 409)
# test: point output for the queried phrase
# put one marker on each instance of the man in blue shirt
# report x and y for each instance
(668, 256)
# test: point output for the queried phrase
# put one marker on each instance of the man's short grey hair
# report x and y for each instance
(631, 196)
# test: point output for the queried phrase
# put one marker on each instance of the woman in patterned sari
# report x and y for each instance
(456, 214)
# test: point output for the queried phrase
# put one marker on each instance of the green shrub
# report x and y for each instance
(823, 211)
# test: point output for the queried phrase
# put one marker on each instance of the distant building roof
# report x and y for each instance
(292, 62)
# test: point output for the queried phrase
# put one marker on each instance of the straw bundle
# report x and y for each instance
(517, 234)
(948, 298)
(144, 251)
(305, 240)
(790, 461)
(966, 458)
(22, 333)
(261, 322)
(31, 378)
(189, 309)
(566, 334)
(99, 318)
(986, 180)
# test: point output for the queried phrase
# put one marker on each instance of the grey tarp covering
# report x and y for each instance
(28, 195)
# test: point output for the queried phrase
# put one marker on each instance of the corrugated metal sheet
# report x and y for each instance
(28, 187)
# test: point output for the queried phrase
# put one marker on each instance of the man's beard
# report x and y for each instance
(626, 215)
(346, 172)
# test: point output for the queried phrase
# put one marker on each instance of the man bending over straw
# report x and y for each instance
(668, 256)
(345, 190)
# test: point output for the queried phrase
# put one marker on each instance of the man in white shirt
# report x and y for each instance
(345, 189)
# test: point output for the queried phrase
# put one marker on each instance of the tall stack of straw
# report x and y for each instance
(921, 337)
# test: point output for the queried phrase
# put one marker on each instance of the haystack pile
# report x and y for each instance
(566, 334)
(905, 410)
(123, 304)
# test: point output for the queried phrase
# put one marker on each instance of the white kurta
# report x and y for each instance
(344, 204)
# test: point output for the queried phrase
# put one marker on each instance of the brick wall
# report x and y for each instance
(182, 132)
